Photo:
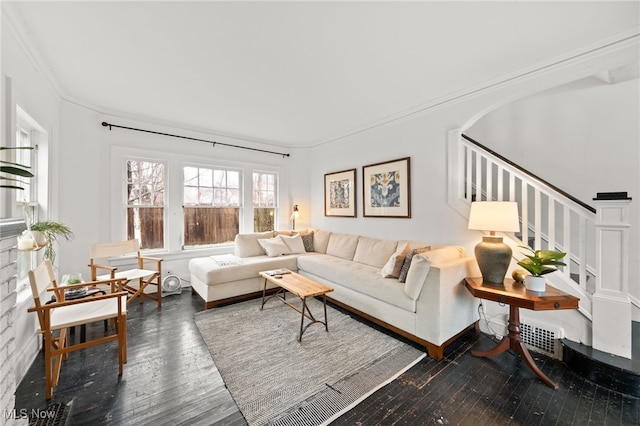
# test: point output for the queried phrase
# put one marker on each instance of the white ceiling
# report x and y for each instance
(298, 74)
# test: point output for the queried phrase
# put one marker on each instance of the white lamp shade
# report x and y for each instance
(494, 216)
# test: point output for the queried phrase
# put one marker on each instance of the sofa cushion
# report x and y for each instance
(307, 240)
(294, 243)
(342, 245)
(246, 245)
(274, 246)
(392, 268)
(374, 252)
(416, 276)
(443, 255)
(358, 277)
(407, 262)
(320, 240)
(209, 272)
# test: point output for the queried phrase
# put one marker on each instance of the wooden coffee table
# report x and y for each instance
(300, 286)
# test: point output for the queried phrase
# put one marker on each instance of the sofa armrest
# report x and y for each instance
(445, 307)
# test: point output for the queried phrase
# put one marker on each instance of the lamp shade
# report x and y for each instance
(494, 216)
(492, 254)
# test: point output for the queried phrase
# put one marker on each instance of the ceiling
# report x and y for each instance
(303, 73)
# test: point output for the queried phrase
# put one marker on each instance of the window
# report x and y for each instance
(146, 203)
(264, 201)
(26, 157)
(25, 202)
(211, 205)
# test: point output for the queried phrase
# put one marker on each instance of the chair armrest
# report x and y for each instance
(97, 266)
(86, 284)
(157, 260)
(54, 305)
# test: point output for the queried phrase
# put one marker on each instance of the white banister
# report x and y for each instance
(481, 175)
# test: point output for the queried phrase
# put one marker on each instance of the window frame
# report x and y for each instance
(174, 220)
(164, 206)
(240, 204)
(276, 196)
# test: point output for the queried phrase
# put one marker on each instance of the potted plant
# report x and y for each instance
(539, 263)
(46, 233)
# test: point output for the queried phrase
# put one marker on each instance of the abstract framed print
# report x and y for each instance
(387, 189)
(339, 193)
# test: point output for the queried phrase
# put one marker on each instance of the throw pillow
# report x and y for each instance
(407, 262)
(274, 246)
(294, 243)
(393, 266)
(307, 240)
(416, 276)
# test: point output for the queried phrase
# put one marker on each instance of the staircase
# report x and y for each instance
(552, 219)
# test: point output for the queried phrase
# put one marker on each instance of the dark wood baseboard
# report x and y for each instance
(434, 351)
(234, 299)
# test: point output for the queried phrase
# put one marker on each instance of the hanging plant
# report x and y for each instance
(51, 231)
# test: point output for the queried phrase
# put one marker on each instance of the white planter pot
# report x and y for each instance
(40, 238)
(535, 283)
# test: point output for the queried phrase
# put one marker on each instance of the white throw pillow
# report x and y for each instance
(294, 243)
(392, 268)
(274, 246)
(416, 276)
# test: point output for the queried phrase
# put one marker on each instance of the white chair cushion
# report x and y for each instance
(86, 312)
(131, 274)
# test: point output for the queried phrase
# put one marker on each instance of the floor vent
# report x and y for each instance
(542, 340)
(54, 415)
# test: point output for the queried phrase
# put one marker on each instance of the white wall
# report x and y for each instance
(92, 189)
(582, 137)
(24, 84)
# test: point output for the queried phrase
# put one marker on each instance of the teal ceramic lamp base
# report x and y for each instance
(493, 257)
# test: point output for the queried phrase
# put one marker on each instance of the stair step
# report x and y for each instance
(611, 371)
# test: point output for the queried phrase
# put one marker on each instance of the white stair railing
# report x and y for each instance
(550, 218)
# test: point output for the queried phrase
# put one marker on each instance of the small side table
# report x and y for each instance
(517, 296)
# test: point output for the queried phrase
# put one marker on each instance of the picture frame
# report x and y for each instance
(386, 189)
(340, 193)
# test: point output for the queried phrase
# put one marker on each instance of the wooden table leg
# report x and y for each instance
(513, 341)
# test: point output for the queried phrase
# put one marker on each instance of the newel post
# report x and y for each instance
(611, 303)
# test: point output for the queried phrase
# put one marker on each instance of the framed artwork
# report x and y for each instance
(340, 193)
(386, 189)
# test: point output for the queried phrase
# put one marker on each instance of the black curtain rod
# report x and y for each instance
(214, 143)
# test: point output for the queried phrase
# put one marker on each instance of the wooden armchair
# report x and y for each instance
(144, 277)
(56, 317)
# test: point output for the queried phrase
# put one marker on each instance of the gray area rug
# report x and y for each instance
(275, 379)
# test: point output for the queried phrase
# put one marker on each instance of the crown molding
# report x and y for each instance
(629, 39)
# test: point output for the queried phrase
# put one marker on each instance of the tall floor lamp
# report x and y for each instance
(492, 254)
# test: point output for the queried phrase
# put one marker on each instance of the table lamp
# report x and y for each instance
(492, 254)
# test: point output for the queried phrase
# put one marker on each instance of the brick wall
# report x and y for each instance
(9, 230)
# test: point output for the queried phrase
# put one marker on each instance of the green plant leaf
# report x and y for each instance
(16, 171)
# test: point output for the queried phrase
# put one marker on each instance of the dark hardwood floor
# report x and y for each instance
(171, 379)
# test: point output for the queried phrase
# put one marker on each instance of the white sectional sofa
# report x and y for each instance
(431, 307)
